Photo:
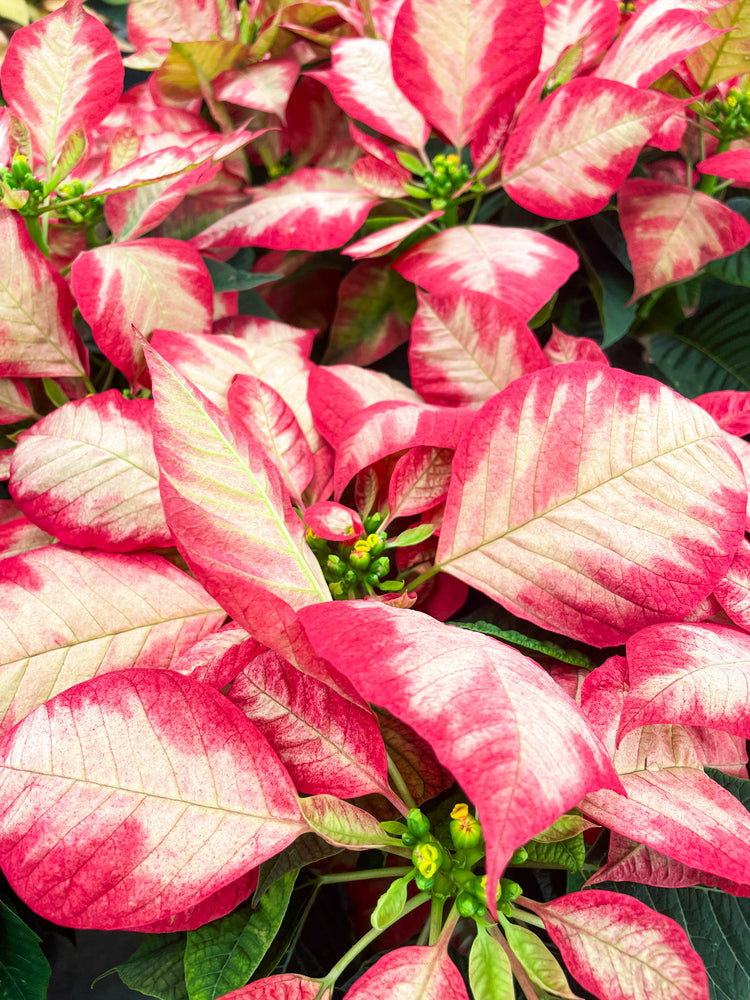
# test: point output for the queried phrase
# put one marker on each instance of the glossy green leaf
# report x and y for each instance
(157, 968)
(734, 269)
(543, 646)
(24, 971)
(305, 850)
(490, 975)
(569, 854)
(226, 278)
(222, 956)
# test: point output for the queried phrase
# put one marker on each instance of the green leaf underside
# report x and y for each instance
(543, 646)
(24, 971)
(157, 968)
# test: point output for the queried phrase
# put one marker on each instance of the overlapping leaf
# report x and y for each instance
(15, 401)
(62, 73)
(86, 473)
(515, 743)
(228, 510)
(287, 986)
(129, 797)
(411, 973)
(37, 337)
(520, 267)
(587, 24)
(725, 56)
(456, 58)
(567, 156)
(618, 948)
(68, 615)
(466, 347)
(672, 231)
(592, 502)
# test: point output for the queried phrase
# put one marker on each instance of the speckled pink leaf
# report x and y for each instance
(146, 283)
(561, 349)
(37, 337)
(655, 39)
(734, 164)
(592, 24)
(151, 25)
(262, 412)
(456, 58)
(206, 660)
(567, 156)
(593, 502)
(361, 82)
(17, 533)
(325, 741)
(434, 677)
(733, 590)
(217, 905)
(87, 474)
(419, 481)
(520, 267)
(269, 353)
(411, 973)
(382, 241)
(15, 401)
(312, 209)
(619, 948)
(228, 510)
(262, 86)
(287, 986)
(61, 73)
(672, 231)
(730, 408)
(67, 615)
(131, 797)
(386, 428)
(697, 675)
(466, 347)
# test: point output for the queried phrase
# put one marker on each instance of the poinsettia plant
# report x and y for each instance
(286, 605)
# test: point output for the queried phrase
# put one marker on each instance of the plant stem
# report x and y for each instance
(362, 876)
(708, 182)
(399, 784)
(366, 940)
(436, 919)
(427, 575)
(527, 918)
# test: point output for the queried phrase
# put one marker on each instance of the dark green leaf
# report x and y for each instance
(734, 269)
(569, 854)
(572, 656)
(305, 850)
(226, 278)
(24, 971)
(157, 968)
(708, 351)
(718, 926)
(222, 956)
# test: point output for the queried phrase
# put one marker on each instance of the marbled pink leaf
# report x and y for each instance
(520, 267)
(386, 428)
(411, 973)
(153, 26)
(87, 474)
(419, 481)
(15, 401)
(382, 241)
(264, 86)
(561, 349)
(696, 675)
(733, 590)
(333, 521)
(435, 678)
(733, 164)
(142, 284)
(567, 156)
(326, 742)
(217, 905)
(655, 39)
(456, 58)
(312, 209)
(592, 502)
(672, 231)
(228, 510)
(413, 757)
(262, 412)
(37, 337)
(361, 82)
(618, 948)
(379, 178)
(130, 797)
(68, 615)
(61, 73)
(287, 986)
(206, 660)
(590, 24)
(270, 353)
(17, 533)
(730, 408)
(465, 347)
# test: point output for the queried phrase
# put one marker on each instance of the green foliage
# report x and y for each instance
(24, 971)
(157, 969)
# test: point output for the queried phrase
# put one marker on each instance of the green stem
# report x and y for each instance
(527, 918)
(436, 919)
(339, 877)
(399, 784)
(427, 575)
(708, 182)
(364, 942)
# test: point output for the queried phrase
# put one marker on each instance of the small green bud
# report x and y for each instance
(359, 561)
(468, 905)
(418, 823)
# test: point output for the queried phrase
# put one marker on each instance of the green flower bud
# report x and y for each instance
(417, 823)
(359, 561)
(465, 829)
(335, 567)
(424, 883)
(519, 856)
(468, 905)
